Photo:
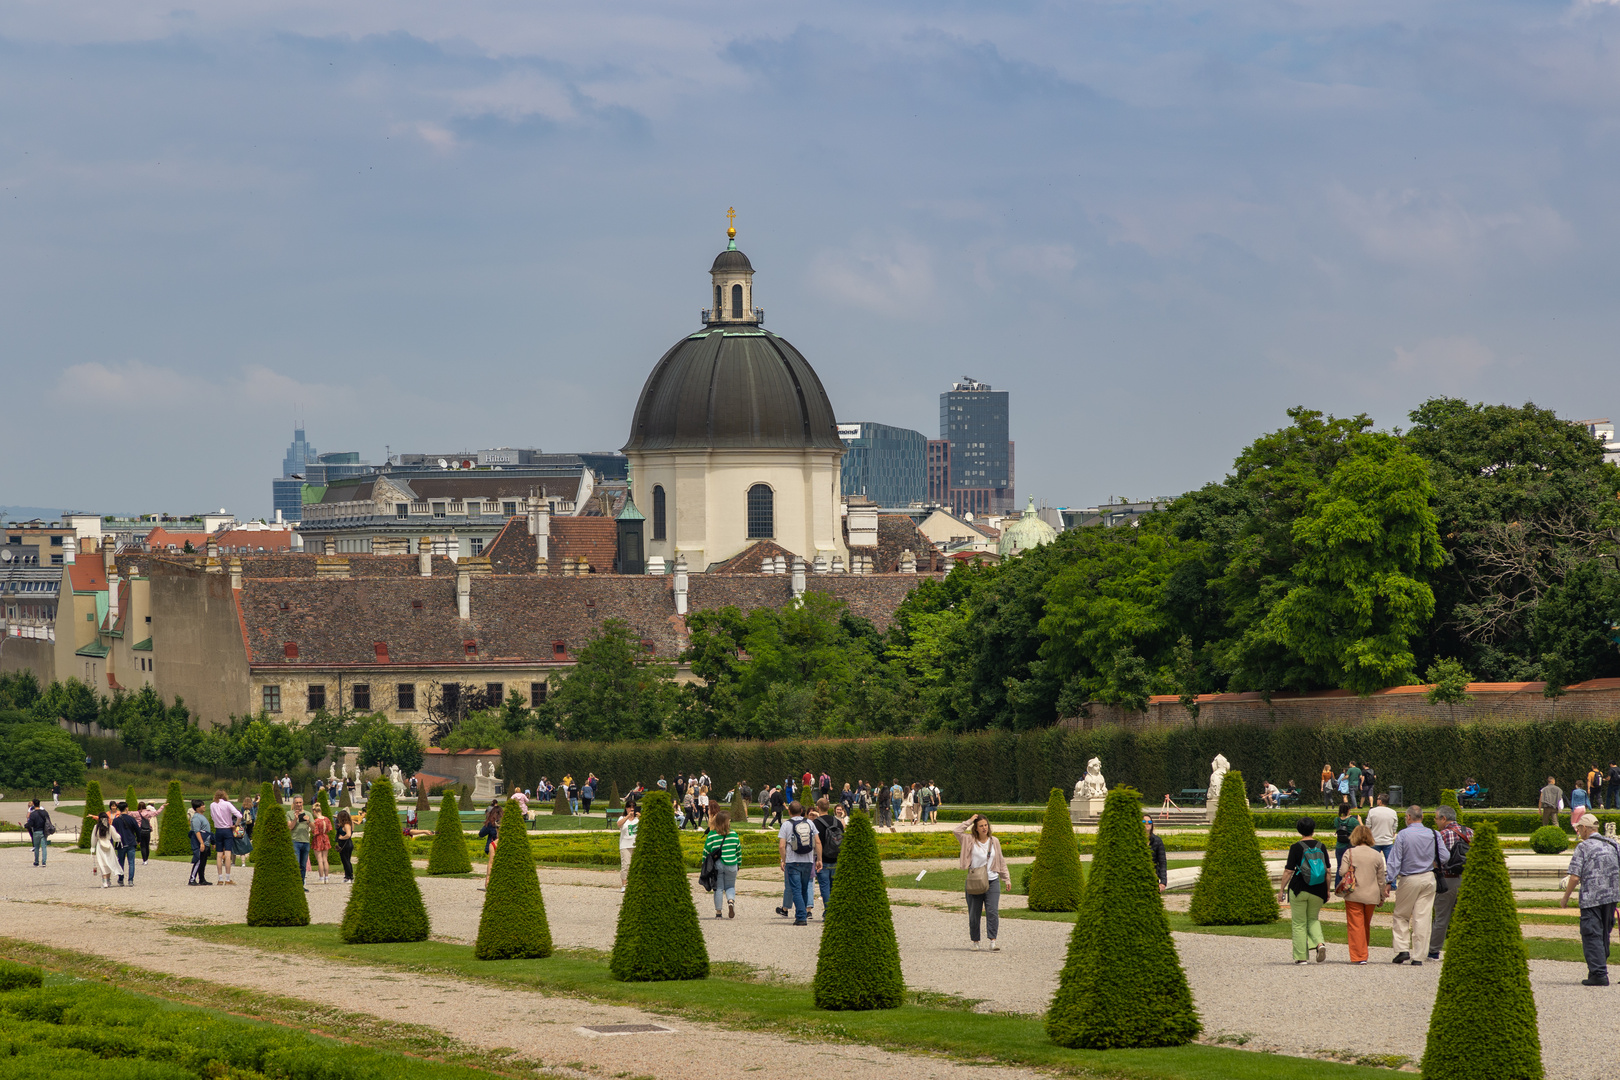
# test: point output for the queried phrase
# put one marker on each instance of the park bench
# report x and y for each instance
(1476, 801)
(1194, 796)
(614, 815)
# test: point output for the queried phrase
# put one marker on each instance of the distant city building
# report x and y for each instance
(889, 465)
(973, 418)
(939, 472)
(299, 454)
(1603, 431)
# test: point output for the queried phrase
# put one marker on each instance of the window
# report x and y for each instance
(402, 510)
(509, 509)
(559, 650)
(761, 514)
(272, 699)
(407, 697)
(495, 692)
(736, 301)
(478, 545)
(362, 697)
(658, 512)
(470, 648)
(438, 509)
(451, 698)
(56, 541)
(317, 697)
(719, 301)
(56, 560)
(380, 650)
(537, 694)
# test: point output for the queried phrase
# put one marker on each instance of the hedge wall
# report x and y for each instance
(1513, 760)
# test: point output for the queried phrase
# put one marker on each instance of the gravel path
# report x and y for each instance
(1244, 987)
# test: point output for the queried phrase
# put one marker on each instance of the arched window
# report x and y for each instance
(761, 513)
(658, 513)
(736, 302)
(719, 301)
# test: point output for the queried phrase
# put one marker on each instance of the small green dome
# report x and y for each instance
(1027, 532)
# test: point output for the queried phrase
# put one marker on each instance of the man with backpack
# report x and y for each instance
(830, 831)
(1418, 851)
(1457, 837)
(799, 847)
(1305, 874)
(1595, 867)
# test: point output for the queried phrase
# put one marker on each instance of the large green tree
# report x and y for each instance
(616, 690)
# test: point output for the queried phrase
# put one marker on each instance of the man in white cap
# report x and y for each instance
(1595, 867)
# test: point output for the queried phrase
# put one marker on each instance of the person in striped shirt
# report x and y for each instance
(721, 838)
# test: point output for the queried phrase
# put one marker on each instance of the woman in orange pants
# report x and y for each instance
(1371, 889)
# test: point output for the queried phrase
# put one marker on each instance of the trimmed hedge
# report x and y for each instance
(449, 855)
(93, 806)
(129, 797)
(1122, 984)
(276, 896)
(1484, 1017)
(385, 903)
(858, 963)
(513, 924)
(1233, 888)
(1054, 882)
(1547, 840)
(1513, 760)
(658, 937)
(174, 830)
(15, 976)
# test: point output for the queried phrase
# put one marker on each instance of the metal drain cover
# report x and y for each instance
(626, 1029)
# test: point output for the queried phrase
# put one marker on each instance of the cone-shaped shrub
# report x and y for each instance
(173, 828)
(1054, 880)
(1122, 984)
(1448, 797)
(276, 897)
(92, 806)
(858, 966)
(385, 904)
(343, 797)
(422, 804)
(658, 938)
(466, 798)
(1484, 1018)
(513, 925)
(739, 813)
(325, 807)
(129, 797)
(614, 801)
(449, 853)
(559, 802)
(1233, 888)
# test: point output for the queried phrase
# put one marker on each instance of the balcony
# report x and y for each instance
(710, 318)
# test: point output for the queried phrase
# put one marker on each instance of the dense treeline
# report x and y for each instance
(1004, 767)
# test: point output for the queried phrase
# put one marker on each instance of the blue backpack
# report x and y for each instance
(1313, 865)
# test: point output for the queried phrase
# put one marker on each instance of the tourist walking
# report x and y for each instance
(1368, 780)
(799, 852)
(1578, 799)
(629, 822)
(722, 841)
(1364, 887)
(587, 795)
(101, 847)
(1549, 801)
(202, 832)
(778, 805)
(127, 841)
(1417, 851)
(829, 822)
(1305, 875)
(492, 822)
(345, 845)
(298, 824)
(39, 829)
(1457, 838)
(1595, 868)
(56, 794)
(884, 808)
(1384, 823)
(1328, 787)
(146, 817)
(987, 872)
(225, 817)
(1343, 826)
(320, 832)
(1352, 780)
(1161, 865)
(1614, 786)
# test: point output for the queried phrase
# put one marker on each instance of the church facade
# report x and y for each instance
(734, 440)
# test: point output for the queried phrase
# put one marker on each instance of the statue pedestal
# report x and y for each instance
(1083, 808)
(484, 788)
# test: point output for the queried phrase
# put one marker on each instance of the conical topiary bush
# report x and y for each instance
(385, 903)
(513, 925)
(343, 797)
(324, 806)
(858, 965)
(1054, 879)
(1233, 888)
(173, 831)
(466, 798)
(449, 852)
(614, 801)
(1122, 983)
(129, 797)
(658, 937)
(1484, 1017)
(1448, 797)
(276, 897)
(422, 804)
(92, 807)
(739, 812)
(559, 802)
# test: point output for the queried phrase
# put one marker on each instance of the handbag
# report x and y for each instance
(709, 876)
(241, 845)
(1347, 880)
(1440, 885)
(978, 877)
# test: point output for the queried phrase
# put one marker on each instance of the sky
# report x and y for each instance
(430, 226)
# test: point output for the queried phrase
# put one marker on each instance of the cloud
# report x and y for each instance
(1445, 359)
(137, 385)
(1421, 227)
(897, 279)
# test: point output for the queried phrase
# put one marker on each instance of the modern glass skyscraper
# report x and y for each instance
(886, 464)
(287, 493)
(973, 418)
(299, 454)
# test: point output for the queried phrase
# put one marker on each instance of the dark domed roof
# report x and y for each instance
(731, 259)
(736, 387)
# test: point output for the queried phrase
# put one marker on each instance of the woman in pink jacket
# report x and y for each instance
(981, 852)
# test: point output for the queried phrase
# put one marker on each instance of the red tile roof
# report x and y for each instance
(271, 540)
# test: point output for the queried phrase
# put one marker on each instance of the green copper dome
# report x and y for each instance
(1027, 532)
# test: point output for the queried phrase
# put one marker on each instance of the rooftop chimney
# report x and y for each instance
(424, 556)
(112, 586)
(680, 584)
(863, 523)
(798, 576)
(464, 592)
(236, 573)
(70, 550)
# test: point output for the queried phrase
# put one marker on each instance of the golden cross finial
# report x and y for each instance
(731, 218)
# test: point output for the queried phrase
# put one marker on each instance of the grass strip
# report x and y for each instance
(737, 997)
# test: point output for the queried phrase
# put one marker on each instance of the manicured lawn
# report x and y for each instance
(928, 1022)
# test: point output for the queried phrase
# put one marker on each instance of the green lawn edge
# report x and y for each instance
(928, 1023)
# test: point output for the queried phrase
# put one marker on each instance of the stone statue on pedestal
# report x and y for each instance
(1092, 785)
(395, 778)
(484, 788)
(1217, 776)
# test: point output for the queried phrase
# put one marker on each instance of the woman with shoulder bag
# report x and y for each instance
(1364, 886)
(102, 840)
(143, 829)
(723, 843)
(986, 870)
(345, 845)
(1343, 826)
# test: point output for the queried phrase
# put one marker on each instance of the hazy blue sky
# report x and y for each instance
(445, 225)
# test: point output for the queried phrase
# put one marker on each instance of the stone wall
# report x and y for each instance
(28, 654)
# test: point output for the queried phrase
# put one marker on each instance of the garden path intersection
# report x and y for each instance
(1246, 989)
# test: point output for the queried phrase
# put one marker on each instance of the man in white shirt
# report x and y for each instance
(1384, 824)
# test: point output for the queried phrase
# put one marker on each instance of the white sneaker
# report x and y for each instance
(974, 945)
(995, 946)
